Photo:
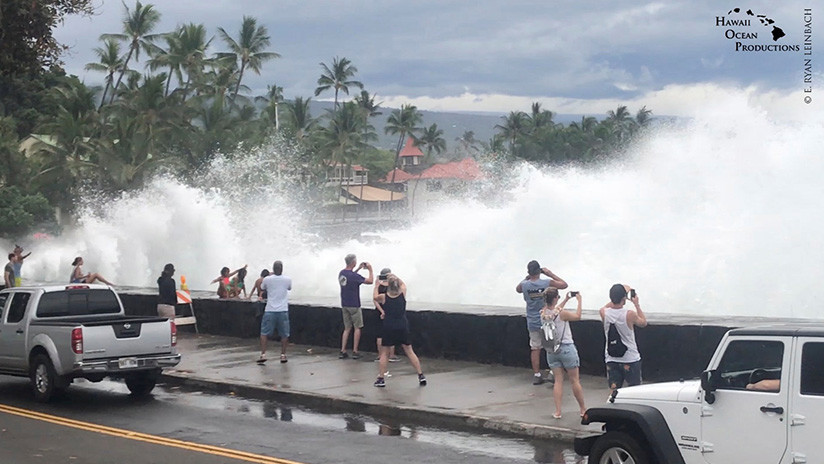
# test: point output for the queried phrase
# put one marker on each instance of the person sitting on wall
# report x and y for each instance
(237, 285)
(77, 276)
(225, 285)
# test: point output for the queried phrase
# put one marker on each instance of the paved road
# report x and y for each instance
(100, 423)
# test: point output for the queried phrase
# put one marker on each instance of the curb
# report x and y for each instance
(454, 421)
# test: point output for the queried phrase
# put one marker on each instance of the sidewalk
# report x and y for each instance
(458, 394)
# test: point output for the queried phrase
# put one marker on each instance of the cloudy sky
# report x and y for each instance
(573, 56)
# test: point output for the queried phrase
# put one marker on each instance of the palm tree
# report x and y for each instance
(110, 63)
(248, 48)
(402, 122)
(431, 139)
(342, 140)
(541, 118)
(137, 26)
(514, 127)
(299, 117)
(338, 77)
(369, 109)
(274, 96)
(642, 118)
(620, 122)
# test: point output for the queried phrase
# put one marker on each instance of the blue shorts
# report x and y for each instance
(566, 357)
(275, 320)
(617, 373)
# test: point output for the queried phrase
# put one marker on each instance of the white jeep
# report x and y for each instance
(761, 400)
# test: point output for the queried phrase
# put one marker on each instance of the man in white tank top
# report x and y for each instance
(628, 366)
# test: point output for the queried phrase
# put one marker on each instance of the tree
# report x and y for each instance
(403, 122)
(369, 109)
(20, 213)
(30, 55)
(642, 118)
(338, 77)
(274, 96)
(300, 118)
(248, 49)
(137, 25)
(431, 139)
(513, 128)
(110, 63)
(342, 140)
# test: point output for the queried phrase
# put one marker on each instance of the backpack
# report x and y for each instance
(553, 344)
(615, 345)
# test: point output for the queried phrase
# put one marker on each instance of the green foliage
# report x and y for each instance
(20, 213)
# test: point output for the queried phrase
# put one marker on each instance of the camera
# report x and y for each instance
(632, 293)
(573, 294)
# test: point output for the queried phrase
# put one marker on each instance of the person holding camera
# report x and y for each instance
(623, 360)
(565, 357)
(532, 288)
(350, 282)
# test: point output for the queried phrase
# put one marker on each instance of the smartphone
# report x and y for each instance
(573, 294)
(632, 293)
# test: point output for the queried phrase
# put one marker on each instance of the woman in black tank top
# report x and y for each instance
(392, 306)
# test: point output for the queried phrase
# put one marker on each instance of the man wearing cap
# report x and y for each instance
(380, 288)
(532, 288)
(350, 282)
(627, 367)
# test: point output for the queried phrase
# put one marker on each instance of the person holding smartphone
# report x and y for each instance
(565, 359)
(350, 304)
(627, 367)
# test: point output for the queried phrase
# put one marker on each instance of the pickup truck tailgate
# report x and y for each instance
(129, 337)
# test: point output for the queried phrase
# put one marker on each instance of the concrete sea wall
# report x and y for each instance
(672, 347)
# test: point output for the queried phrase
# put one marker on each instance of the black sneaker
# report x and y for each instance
(356, 355)
(380, 383)
(343, 355)
(421, 380)
(537, 380)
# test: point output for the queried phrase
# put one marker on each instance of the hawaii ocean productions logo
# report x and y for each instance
(753, 32)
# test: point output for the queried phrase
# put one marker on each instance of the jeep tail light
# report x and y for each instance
(174, 333)
(77, 340)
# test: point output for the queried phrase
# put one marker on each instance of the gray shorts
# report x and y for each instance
(352, 317)
(537, 340)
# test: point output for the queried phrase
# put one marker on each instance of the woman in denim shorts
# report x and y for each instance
(566, 358)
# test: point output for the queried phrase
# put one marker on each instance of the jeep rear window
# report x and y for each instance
(78, 302)
(812, 375)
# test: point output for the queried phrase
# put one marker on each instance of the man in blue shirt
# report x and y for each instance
(532, 288)
(350, 282)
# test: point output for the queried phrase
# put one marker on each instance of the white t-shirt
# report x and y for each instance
(277, 292)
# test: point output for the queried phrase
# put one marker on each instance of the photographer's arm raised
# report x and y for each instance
(570, 316)
(637, 317)
(554, 281)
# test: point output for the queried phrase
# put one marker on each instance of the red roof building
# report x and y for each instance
(411, 155)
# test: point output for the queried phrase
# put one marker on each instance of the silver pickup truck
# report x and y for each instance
(55, 334)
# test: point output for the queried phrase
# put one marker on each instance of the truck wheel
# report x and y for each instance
(141, 383)
(617, 448)
(43, 378)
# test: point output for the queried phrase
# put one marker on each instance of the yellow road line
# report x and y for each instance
(102, 429)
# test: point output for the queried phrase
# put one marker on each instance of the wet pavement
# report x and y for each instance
(459, 395)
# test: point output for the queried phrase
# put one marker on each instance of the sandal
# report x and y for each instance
(556, 416)
(261, 359)
(283, 359)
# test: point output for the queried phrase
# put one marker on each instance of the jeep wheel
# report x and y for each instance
(44, 379)
(617, 448)
(141, 383)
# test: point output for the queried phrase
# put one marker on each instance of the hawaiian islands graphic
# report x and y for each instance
(777, 32)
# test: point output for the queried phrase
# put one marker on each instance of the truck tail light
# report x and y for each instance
(77, 340)
(174, 333)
